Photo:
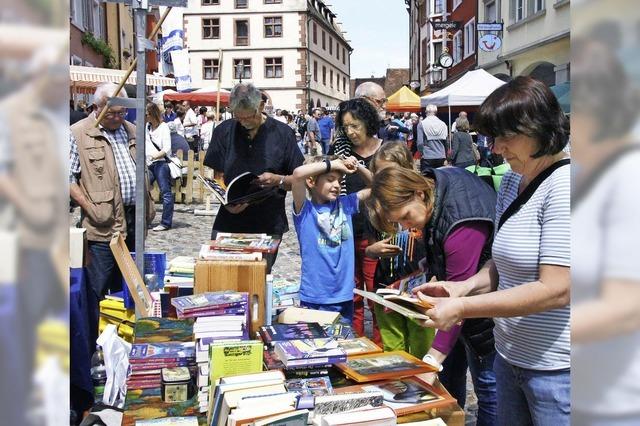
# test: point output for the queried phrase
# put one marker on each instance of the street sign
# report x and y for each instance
(489, 42)
(445, 25)
(489, 26)
(172, 3)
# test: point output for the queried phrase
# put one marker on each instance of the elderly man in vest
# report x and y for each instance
(102, 181)
(432, 139)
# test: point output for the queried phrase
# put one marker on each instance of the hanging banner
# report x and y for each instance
(489, 26)
(445, 25)
(181, 69)
(489, 43)
(174, 41)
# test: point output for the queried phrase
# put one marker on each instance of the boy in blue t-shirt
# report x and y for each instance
(325, 232)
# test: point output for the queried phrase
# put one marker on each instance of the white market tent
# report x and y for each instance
(470, 90)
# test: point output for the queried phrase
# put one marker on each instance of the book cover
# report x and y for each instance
(407, 395)
(309, 352)
(278, 332)
(329, 404)
(295, 315)
(208, 253)
(412, 309)
(316, 386)
(293, 418)
(234, 358)
(211, 300)
(242, 189)
(339, 331)
(405, 284)
(245, 242)
(386, 365)
(359, 346)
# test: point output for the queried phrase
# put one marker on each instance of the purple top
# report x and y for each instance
(462, 250)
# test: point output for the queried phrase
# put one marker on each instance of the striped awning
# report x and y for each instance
(86, 79)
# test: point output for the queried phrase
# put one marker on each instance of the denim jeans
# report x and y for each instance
(159, 170)
(326, 145)
(532, 397)
(454, 379)
(345, 308)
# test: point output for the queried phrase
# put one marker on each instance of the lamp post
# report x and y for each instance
(308, 86)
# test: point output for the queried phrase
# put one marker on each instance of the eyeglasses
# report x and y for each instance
(113, 114)
(380, 102)
(354, 127)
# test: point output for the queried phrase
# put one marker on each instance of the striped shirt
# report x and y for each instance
(539, 233)
(125, 164)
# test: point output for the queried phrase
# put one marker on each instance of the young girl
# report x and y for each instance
(398, 255)
(325, 232)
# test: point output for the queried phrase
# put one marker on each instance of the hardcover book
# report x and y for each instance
(386, 365)
(309, 352)
(405, 396)
(279, 332)
(410, 307)
(242, 189)
(316, 386)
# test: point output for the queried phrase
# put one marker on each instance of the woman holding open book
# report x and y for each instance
(455, 210)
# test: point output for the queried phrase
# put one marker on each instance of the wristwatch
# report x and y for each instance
(429, 359)
(281, 184)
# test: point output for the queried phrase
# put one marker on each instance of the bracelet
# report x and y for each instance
(429, 359)
(328, 163)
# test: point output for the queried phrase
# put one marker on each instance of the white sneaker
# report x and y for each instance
(161, 227)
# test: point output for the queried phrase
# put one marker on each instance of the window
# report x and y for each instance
(344, 56)
(272, 1)
(210, 28)
(538, 5)
(330, 45)
(337, 51)
(437, 51)
(242, 33)
(242, 67)
(437, 7)
(517, 10)
(241, 4)
(210, 69)
(76, 12)
(273, 67)
(456, 3)
(470, 38)
(315, 33)
(490, 12)
(324, 75)
(344, 84)
(457, 47)
(331, 78)
(210, 2)
(273, 27)
(315, 71)
(337, 82)
(423, 55)
(324, 40)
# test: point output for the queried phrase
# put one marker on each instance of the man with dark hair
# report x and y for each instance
(327, 127)
(313, 132)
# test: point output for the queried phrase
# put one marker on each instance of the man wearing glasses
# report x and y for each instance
(102, 181)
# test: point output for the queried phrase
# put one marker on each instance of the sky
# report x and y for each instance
(378, 31)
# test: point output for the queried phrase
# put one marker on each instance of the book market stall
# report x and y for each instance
(220, 342)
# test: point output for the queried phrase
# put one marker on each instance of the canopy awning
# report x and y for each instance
(204, 97)
(86, 79)
(471, 89)
(404, 100)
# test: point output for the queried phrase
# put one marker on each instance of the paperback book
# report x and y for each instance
(309, 352)
(316, 386)
(279, 332)
(245, 242)
(410, 307)
(242, 189)
(216, 300)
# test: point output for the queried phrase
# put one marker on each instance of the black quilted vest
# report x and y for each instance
(460, 196)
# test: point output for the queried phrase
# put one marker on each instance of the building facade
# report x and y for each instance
(294, 50)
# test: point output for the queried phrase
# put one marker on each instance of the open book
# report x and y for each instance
(405, 305)
(240, 190)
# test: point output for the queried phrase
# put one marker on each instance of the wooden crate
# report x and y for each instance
(242, 276)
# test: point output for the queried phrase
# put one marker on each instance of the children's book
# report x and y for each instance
(381, 366)
(309, 352)
(279, 332)
(410, 307)
(242, 189)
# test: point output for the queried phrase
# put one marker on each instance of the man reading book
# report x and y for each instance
(253, 142)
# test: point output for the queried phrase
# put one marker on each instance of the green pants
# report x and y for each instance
(402, 334)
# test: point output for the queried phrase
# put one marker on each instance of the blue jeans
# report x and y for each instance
(326, 144)
(454, 379)
(159, 170)
(345, 308)
(532, 397)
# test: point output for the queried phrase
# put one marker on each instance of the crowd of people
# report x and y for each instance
(499, 260)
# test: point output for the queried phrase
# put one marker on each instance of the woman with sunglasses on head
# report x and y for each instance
(158, 147)
(525, 287)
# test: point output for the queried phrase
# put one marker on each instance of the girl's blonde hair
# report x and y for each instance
(393, 188)
(395, 152)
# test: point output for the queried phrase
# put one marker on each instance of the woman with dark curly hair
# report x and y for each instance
(525, 286)
(360, 122)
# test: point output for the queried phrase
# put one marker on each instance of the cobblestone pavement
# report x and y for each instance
(189, 231)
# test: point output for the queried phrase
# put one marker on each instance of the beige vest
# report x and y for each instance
(99, 179)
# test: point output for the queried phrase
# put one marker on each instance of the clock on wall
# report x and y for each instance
(445, 60)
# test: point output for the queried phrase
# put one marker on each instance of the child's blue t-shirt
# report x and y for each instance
(325, 234)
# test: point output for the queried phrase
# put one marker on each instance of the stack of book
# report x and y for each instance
(219, 316)
(309, 352)
(182, 266)
(148, 359)
(235, 246)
